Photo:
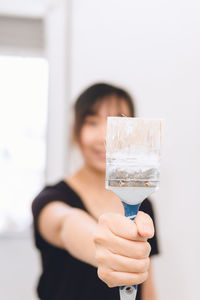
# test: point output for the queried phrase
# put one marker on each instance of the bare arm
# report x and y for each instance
(69, 228)
(115, 245)
(148, 288)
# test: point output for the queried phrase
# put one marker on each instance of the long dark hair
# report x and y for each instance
(87, 100)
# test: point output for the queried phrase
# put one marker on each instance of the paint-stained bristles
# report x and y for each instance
(133, 135)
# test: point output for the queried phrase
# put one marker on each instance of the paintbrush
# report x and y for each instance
(133, 149)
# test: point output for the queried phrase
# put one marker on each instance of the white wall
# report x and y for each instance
(19, 259)
(20, 265)
(152, 48)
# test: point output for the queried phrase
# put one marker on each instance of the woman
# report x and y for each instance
(88, 248)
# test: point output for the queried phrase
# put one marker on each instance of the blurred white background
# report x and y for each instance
(150, 48)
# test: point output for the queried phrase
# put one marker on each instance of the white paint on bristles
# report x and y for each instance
(133, 149)
(134, 139)
(133, 136)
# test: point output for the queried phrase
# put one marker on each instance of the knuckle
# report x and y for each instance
(142, 251)
(110, 284)
(101, 273)
(104, 219)
(99, 237)
(142, 277)
(104, 275)
(145, 276)
(145, 264)
(108, 218)
(142, 265)
(148, 249)
(100, 257)
(111, 280)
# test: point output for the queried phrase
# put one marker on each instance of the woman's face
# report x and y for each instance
(93, 132)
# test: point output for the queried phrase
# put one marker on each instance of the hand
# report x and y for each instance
(122, 250)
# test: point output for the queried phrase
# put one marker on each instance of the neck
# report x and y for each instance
(93, 177)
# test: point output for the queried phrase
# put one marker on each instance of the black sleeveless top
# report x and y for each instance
(63, 276)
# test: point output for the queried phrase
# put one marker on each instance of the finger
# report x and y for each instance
(121, 246)
(120, 263)
(132, 249)
(113, 278)
(144, 225)
(121, 226)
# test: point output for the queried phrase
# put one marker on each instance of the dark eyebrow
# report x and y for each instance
(91, 114)
(94, 114)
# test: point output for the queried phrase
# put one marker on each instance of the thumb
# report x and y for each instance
(144, 225)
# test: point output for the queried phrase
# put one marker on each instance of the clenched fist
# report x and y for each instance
(122, 250)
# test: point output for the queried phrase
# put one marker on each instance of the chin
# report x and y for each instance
(99, 167)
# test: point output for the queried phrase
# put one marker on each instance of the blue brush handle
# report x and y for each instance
(130, 212)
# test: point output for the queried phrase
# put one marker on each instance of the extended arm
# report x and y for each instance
(115, 245)
(69, 228)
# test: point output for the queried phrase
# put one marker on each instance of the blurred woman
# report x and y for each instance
(88, 248)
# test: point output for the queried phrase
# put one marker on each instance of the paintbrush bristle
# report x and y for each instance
(132, 135)
(133, 148)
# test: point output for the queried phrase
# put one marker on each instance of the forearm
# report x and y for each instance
(114, 243)
(77, 233)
